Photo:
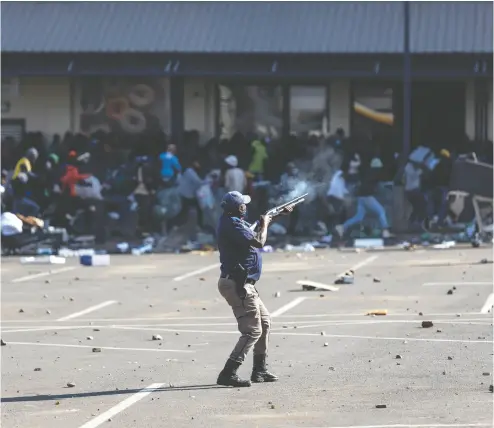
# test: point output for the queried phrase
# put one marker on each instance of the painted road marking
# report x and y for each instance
(359, 265)
(41, 274)
(288, 306)
(478, 425)
(337, 336)
(333, 314)
(114, 348)
(432, 284)
(88, 310)
(197, 272)
(103, 418)
(489, 303)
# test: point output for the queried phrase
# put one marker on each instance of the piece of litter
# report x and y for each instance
(398, 357)
(89, 338)
(2, 343)
(37, 369)
(157, 337)
(439, 330)
(314, 286)
(427, 324)
(21, 311)
(486, 374)
(277, 294)
(96, 349)
(449, 292)
(381, 406)
(326, 344)
(48, 311)
(376, 280)
(70, 384)
(378, 312)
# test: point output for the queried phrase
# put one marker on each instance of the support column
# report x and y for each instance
(177, 108)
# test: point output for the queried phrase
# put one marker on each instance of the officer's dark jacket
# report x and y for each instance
(235, 246)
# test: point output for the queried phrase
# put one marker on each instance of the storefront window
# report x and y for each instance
(125, 105)
(308, 112)
(250, 109)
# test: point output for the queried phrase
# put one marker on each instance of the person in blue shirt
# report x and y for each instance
(170, 166)
(241, 265)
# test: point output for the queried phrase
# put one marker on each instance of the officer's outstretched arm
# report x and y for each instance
(245, 237)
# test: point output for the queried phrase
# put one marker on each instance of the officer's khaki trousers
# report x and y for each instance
(252, 317)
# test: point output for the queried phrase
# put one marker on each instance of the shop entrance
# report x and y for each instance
(438, 114)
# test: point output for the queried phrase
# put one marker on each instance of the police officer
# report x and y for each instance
(241, 266)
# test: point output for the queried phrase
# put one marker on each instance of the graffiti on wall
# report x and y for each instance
(125, 105)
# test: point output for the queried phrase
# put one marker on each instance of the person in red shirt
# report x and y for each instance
(72, 175)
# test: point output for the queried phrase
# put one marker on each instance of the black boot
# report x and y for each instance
(259, 372)
(229, 377)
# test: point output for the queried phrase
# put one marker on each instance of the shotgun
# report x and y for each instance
(276, 211)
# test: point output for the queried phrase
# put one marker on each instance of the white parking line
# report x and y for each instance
(88, 310)
(478, 425)
(432, 284)
(101, 419)
(112, 348)
(41, 274)
(197, 272)
(336, 336)
(489, 303)
(287, 307)
(359, 265)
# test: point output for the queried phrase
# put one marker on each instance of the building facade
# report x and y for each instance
(271, 68)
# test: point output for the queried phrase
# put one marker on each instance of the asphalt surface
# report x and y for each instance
(335, 363)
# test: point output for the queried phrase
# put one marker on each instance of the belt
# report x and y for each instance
(226, 276)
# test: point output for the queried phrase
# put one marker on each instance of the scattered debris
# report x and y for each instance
(484, 261)
(2, 342)
(48, 311)
(71, 299)
(378, 312)
(96, 329)
(315, 286)
(157, 337)
(439, 330)
(421, 314)
(70, 384)
(273, 406)
(277, 294)
(323, 333)
(458, 315)
(47, 281)
(491, 388)
(45, 296)
(46, 260)
(89, 337)
(21, 311)
(444, 372)
(202, 278)
(376, 280)
(444, 245)
(454, 287)
(398, 357)
(96, 349)
(37, 369)
(450, 358)
(427, 324)
(449, 292)
(486, 374)
(381, 406)
(326, 344)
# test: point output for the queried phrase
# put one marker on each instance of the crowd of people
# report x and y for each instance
(123, 177)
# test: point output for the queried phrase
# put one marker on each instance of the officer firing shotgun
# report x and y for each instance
(241, 264)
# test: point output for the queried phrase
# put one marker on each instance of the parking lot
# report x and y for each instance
(336, 364)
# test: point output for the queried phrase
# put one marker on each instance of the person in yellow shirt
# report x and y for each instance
(259, 156)
(25, 164)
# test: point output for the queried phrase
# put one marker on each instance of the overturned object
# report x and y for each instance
(315, 286)
(346, 278)
(95, 260)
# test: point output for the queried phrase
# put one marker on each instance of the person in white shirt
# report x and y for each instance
(335, 202)
(235, 180)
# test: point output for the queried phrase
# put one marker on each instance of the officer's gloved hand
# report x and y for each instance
(287, 210)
